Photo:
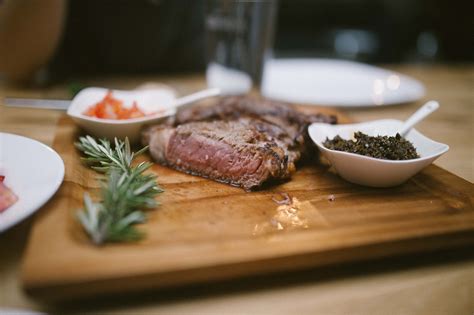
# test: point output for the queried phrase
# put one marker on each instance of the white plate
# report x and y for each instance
(337, 83)
(32, 170)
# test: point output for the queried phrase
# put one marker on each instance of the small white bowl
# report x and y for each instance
(160, 99)
(368, 171)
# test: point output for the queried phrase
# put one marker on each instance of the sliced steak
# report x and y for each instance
(233, 152)
(241, 141)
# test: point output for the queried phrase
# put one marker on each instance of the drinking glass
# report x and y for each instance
(239, 40)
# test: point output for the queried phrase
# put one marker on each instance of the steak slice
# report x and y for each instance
(238, 106)
(232, 152)
(276, 115)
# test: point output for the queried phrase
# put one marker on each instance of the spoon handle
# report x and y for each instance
(191, 98)
(419, 115)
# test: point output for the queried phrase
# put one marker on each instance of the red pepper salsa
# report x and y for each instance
(112, 108)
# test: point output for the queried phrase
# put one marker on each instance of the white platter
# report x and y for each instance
(337, 83)
(33, 171)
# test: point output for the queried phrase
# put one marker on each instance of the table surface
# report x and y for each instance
(435, 283)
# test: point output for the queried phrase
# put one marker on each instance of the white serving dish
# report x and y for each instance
(160, 99)
(369, 171)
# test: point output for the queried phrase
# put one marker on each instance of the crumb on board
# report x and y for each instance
(331, 198)
(286, 199)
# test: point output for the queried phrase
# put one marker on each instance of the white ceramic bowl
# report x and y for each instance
(149, 101)
(369, 171)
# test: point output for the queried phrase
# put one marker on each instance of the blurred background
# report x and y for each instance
(148, 36)
(380, 31)
(50, 49)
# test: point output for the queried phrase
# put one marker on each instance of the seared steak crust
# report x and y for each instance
(241, 141)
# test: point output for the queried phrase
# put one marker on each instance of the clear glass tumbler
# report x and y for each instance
(239, 40)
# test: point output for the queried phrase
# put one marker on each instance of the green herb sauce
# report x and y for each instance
(381, 147)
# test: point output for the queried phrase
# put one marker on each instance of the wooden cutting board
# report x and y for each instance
(206, 231)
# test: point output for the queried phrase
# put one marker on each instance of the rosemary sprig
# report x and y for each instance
(124, 193)
(101, 156)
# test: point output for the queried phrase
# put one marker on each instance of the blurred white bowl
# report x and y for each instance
(368, 171)
(160, 100)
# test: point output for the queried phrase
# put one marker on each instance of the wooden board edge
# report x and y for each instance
(94, 289)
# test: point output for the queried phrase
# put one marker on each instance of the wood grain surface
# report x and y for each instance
(206, 231)
(426, 284)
